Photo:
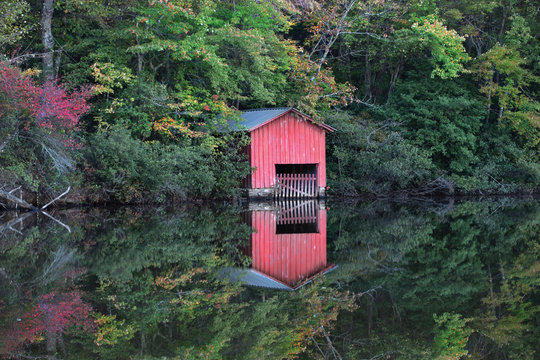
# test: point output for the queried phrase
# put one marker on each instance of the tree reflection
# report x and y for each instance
(413, 282)
(41, 300)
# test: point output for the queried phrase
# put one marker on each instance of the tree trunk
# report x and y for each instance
(393, 79)
(367, 78)
(57, 63)
(51, 344)
(19, 201)
(143, 344)
(140, 58)
(62, 345)
(488, 106)
(47, 39)
(370, 316)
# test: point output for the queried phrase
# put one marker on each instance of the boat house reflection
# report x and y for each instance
(288, 245)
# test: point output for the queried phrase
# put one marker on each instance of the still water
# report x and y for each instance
(309, 280)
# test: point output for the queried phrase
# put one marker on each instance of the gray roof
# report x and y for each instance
(252, 119)
(255, 278)
(256, 117)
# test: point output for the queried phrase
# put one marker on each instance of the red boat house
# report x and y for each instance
(287, 152)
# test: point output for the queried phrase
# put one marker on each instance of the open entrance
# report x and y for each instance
(296, 180)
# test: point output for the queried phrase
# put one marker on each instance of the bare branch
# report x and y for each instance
(8, 140)
(56, 198)
(331, 345)
(375, 36)
(12, 191)
(58, 221)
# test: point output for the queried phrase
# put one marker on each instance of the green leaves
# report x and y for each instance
(227, 49)
(446, 47)
(506, 81)
(442, 118)
(14, 22)
(451, 336)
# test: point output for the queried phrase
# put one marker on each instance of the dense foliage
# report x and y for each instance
(428, 97)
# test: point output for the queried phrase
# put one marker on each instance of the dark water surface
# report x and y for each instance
(374, 280)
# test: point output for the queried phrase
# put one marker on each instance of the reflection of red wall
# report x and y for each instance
(289, 258)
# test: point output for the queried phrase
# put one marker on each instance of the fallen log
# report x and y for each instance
(9, 225)
(19, 201)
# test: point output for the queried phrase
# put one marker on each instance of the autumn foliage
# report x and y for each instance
(51, 314)
(31, 105)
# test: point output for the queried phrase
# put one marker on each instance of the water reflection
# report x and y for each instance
(287, 246)
(418, 282)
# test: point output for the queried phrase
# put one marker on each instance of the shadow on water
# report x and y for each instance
(412, 282)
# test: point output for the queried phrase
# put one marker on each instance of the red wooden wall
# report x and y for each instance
(289, 258)
(286, 140)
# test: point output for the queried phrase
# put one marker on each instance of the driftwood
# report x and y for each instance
(56, 198)
(9, 225)
(55, 219)
(8, 195)
(20, 202)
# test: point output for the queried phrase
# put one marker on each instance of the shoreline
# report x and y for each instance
(239, 201)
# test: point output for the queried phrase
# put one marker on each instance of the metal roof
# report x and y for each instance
(252, 277)
(256, 117)
(253, 119)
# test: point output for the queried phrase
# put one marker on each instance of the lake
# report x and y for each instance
(310, 280)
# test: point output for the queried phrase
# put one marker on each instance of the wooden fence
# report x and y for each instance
(296, 186)
(297, 212)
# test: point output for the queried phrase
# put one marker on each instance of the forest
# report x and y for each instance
(431, 224)
(125, 100)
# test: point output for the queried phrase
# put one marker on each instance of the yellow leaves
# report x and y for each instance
(111, 330)
(166, 282)
(109, 76)
(317, 84)
(100, 89)
(171, 128)
(32, 72)
(103, 319)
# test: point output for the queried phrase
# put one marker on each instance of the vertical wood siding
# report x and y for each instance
(289, 258)
(286, 140)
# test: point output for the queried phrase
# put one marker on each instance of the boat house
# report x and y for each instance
(287, 246)
(287, 152)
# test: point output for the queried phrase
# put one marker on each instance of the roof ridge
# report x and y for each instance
(266, 109)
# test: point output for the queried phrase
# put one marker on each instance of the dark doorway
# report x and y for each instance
(296, 181)
(301, 228)
(296, 169)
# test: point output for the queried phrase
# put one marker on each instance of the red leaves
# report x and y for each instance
(60, 109)
(47, 106)
(54, 314)
(17, 92)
